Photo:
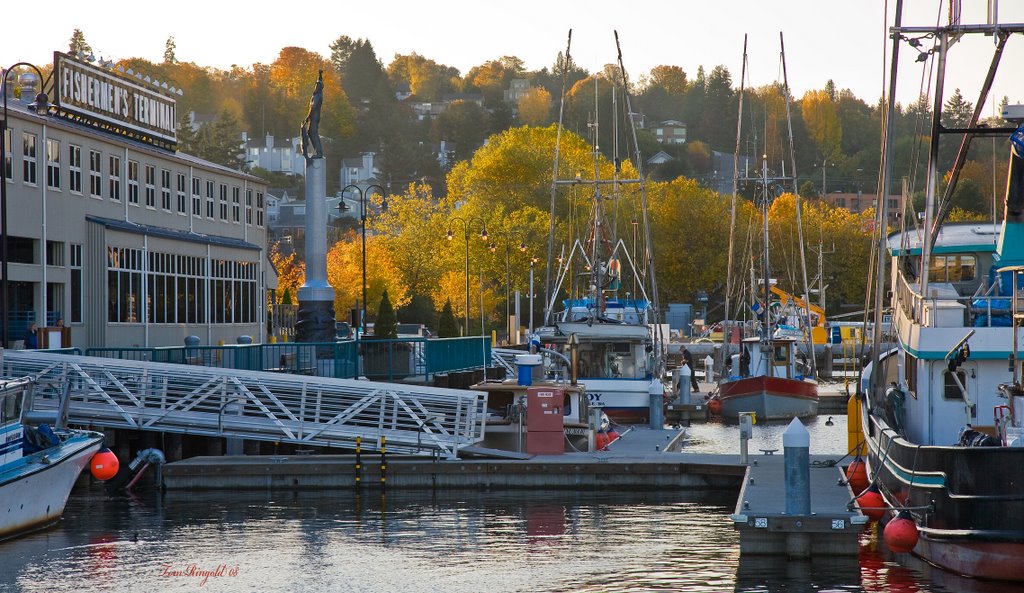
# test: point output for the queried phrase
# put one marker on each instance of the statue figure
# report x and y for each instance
(311, 125)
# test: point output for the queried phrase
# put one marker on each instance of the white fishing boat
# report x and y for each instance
(602, 302)
(942, 412)
(39, 461)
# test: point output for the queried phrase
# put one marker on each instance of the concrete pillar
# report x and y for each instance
(827, 372)
(173, 443)
(315, 318)
(796, 443)
(657, 399)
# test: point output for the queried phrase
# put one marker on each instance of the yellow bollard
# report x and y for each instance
(494, 338)
(272, 339)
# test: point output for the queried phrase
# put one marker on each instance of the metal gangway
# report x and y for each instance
(265, 406)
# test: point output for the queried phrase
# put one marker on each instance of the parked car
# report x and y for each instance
(412, 330)
(343, 331)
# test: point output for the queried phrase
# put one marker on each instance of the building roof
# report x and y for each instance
(156, 231)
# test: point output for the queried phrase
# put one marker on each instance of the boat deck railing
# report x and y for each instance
(981, 309)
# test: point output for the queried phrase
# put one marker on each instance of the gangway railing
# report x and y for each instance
(215, 402)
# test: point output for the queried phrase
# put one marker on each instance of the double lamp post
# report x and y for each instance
(363, 196)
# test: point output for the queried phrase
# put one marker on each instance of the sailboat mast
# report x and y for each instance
(799, 221)
(877, 376)
(595, 291)
(726, 323)
(766, 272)
(548, 297)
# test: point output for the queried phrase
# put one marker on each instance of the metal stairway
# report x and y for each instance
(214, 402)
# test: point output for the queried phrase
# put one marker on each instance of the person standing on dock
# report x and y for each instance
(688, 361)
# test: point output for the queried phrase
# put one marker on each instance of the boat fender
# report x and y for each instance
(871, 503)
(104, 464)
(901, 533)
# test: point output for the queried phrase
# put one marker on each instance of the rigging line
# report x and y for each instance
(965, 143)
(566, 63)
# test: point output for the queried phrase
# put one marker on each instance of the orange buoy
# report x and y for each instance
(871, 503)
(857, 475)
(715, 406)
(104, 464)
(901, 533)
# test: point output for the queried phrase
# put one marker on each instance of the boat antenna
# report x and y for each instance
(548, 297)
(726, 335)
(799, 222)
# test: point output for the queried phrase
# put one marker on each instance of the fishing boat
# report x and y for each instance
(39, 461)
(602, 302)
(942, 411)
(765, 376)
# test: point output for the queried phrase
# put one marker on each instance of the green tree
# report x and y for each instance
(446, 325)
(77, 43)
(464, 123)
(385, 326)
(218, 142)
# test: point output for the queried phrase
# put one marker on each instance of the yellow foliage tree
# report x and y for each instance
(822, 119)
(291, 272)
(345, 274)
(535, 107)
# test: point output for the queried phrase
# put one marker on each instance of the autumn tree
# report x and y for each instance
(821, 118)
(169, 45)
(535, 107)
(344, 272)
(427, 79)
(291, 271)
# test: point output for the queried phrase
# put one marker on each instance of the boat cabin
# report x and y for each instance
(774, 358)
(11, 430)
(631, 311)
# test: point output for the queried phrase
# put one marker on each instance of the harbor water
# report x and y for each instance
(442, 542)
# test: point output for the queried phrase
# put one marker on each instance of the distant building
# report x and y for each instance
(517, 87)
(721, 175)
(358, 170)
(276, 155)
(659, 158)
(859, 202)
(669, 132)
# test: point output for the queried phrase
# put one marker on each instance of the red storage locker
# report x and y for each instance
(545, 421)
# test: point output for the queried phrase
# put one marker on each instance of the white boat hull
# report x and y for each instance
(33, 492)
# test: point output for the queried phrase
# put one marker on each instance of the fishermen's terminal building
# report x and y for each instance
(110, 229)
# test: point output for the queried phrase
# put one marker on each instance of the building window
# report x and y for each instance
(165, 189)
(114, 176)
(233, 292)
(55, 253)
(197, 197)
(76, 283)
(124, 284)
(75, 168)
(259, 209)
(150, 186)
(209, 199)
(182, 186)
(52, 163)
(248, 206)
(95, 174)
(236, 204)
(133, 183)
(8, 160)
(177, 288)
(28, 161)
(223, 202)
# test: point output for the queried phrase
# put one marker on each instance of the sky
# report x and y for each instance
(825, 39)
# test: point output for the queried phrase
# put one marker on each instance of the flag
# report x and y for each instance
(757, 309)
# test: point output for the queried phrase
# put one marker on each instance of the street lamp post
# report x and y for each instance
(467, 227)
(362, 223)
(42, 107)
(493, 247)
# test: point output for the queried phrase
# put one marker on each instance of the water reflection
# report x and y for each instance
(450, 542)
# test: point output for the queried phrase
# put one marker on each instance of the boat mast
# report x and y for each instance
(548, 297)
(766, 273)
(799, 222)
(595, 291)
(726, 323)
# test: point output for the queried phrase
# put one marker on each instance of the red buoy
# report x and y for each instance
(104, 464)
(857, 475)
(871, 503)
(901, 533)
(601, 441)
(715, 406)
(613, 436)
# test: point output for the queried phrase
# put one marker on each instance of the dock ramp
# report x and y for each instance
(264, 406)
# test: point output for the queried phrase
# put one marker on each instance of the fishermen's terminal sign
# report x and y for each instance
(98, 98)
